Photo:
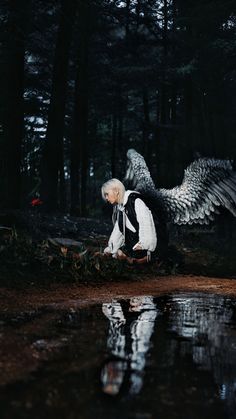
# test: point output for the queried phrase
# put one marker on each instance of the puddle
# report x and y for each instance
(167, 357)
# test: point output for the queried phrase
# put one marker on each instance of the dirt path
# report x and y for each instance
(69, 296)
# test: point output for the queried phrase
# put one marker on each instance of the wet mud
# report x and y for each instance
(78, 295)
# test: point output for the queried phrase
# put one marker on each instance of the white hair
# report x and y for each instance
(117, 186)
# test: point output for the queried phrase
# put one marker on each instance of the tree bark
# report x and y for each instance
(114, 144)
(52, 159)
(12, 88)
(127, 21)
(79, 141)
(164, 98)
(146, 126)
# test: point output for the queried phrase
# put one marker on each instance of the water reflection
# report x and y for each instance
(167, 357)
(191, 351)
(129, 335)
(207, 327)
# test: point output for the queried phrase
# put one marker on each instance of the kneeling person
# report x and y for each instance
(134, 233)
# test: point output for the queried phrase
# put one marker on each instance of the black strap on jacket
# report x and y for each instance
(132, 238)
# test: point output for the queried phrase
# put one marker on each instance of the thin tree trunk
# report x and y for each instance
(52, 159)
(146, 126)
(79, 141)
(164, 97)
(191, 144)
(120, 131)
(209, 146)
(114, 145)
(158, 142)
(188, 99)
(137, 12)
(62, 185)
(127, 22)
(173, 104)
(75, 156)
(83, 64)
(173, 53)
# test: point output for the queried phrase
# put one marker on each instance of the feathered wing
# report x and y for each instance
(207, 185)
(137, 174)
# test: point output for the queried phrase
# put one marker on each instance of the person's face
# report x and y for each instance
(111, 196)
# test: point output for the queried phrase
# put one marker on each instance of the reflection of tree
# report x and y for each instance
(129, 342)
(204, 323)
(193, 359)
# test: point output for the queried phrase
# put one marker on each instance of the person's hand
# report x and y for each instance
(107, 251)
(137, 246)
(121, 255)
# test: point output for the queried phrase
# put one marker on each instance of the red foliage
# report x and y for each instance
(35, 202)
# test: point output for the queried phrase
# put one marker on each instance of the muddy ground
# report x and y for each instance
(40, 281)
(62, 296)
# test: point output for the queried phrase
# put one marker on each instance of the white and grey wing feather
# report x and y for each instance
(207, 185)
(137, 174)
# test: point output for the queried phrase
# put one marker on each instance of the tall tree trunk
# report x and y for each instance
(157, 142)
(173, 53)
(75, 186)
(79, 141)
(52, 159)
(120, 131)
(127, 21)
(173, 155)
(12, 87)
(146, 126)
(209, 146)
(114, 144)
(173, 104)
(188, 102)
(137, 12)
(164, 98)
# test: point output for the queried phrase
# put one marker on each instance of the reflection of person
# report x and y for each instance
(134, 233)
(128, 343)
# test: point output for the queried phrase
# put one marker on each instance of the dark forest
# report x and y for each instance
(135, 320)
(83, 81)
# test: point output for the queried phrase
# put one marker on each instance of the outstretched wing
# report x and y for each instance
(207, 185)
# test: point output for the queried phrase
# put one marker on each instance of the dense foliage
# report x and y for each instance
(82, 81)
